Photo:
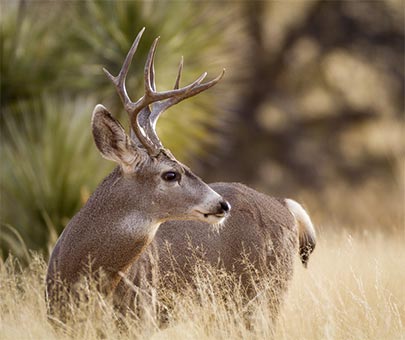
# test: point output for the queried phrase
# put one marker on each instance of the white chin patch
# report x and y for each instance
(212, 219)
(217, 223)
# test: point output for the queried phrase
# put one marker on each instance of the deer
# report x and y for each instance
(148, 187)
(151, 198)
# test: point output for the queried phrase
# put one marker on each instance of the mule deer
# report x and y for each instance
(152, 198)
(148, 187)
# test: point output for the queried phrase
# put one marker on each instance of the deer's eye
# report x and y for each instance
(171, 176)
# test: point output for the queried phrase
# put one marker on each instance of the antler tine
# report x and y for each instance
(195, 88)
(152, 76)
(177, 83)
(119, 81)
(151, 95)
(149, 72)
(205, 86)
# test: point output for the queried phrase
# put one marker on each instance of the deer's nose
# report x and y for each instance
(225, 207)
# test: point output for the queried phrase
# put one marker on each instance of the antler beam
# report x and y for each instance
(143, 116)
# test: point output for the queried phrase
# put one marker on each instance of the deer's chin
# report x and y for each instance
(213, 219)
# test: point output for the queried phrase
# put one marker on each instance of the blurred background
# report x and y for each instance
(311, 106)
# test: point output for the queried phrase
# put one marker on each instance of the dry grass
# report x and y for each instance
(353, 289)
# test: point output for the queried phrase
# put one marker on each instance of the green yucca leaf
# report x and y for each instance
(48, 167)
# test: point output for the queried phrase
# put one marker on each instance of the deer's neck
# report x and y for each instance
(109, 233)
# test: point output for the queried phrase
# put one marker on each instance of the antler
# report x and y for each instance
(143, 116)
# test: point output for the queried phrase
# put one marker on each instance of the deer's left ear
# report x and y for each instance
(111, 140)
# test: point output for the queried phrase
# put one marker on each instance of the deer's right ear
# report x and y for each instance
(111, 139)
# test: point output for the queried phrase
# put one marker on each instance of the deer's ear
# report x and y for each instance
(111, 139)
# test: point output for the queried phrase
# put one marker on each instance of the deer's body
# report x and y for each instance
(260, 227)
(150, 187)
(262, 232)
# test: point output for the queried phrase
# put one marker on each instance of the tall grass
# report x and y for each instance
(353, 289)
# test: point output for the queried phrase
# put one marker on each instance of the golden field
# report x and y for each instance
(352, 289)
(311, 108)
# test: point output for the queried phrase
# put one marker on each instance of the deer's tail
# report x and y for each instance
(306, 230)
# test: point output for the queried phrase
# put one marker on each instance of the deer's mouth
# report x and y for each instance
(216, 215)
(211, 218)
(207, 214)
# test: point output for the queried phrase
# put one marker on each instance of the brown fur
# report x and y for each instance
(259, 228)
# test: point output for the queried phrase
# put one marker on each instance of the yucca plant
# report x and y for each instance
(48, 168)
(32, 54)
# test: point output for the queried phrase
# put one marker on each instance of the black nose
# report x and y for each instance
(225, 206)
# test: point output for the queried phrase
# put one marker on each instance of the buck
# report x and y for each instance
(150, 188)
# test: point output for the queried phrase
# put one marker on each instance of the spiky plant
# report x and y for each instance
(48, 168)
(31, 56)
